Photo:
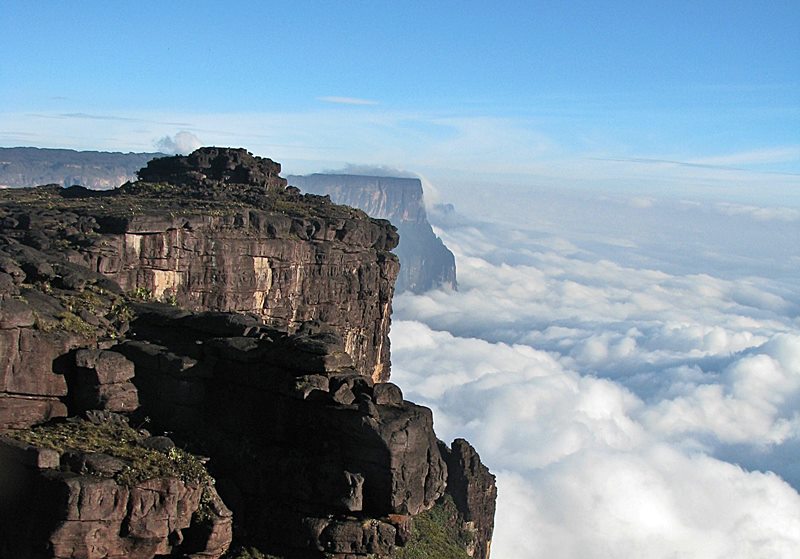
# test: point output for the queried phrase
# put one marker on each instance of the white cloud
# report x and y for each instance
(759, 213)
(182, 142)
(628, 410)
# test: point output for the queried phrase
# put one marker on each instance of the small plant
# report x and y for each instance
(43, 324)
(70, 322)
(170, 298)
(121, 312)
(142, 294)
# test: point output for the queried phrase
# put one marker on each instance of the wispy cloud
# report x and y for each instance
(117, 118)
(723, 163)
(770, 155)
(347, 100)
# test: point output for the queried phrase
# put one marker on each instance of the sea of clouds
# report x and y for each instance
(628, 367)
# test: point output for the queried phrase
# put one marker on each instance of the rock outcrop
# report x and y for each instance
(342, 462)
(118, 307)
(474, 493)
(63, 500)
(425, 262)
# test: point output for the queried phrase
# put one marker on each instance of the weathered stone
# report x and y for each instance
(354, 500)
(358, 537)
(95, 518)
(303, 385)
(105, 367)
(7, 285)
(159, 443)
(93, 463)
(20, 412)
(27, 455)
(387, 394)
(404, 524)
(15, 314)
(343, 395)
(10, 267)
(28, 359)
(318, 459)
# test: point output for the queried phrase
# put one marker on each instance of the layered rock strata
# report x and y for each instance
(193, 235)
(314, 454)
(425, 262)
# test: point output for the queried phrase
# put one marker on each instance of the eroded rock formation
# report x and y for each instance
(121, 304)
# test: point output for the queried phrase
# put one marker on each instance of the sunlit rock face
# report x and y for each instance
(425, 262)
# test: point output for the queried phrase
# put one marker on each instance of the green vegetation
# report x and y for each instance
(111, 310)
(436, 535)
(71, 322)
(142, 294)
(121, 441)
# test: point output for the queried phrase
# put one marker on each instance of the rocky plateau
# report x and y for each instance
(196, 364)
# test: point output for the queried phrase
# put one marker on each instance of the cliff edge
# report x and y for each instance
(201, 357)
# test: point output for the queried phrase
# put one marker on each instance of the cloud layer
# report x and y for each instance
(628, 411)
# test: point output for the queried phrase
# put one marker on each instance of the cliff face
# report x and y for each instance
(302, 260)
(25, 167)
(105, 312)
(425, 262)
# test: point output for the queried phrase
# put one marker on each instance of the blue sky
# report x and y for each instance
(624, 348)
(558, 93)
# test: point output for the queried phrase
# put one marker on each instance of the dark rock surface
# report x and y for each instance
(474, 493)
(425, 262)
(285, 404)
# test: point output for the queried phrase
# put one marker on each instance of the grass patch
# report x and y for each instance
(437, 534)
(121, 441)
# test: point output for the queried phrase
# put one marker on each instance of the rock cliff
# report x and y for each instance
(425, 262)
(118, 308)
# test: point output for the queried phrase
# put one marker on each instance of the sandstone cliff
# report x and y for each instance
(425, 262)
(113, 307)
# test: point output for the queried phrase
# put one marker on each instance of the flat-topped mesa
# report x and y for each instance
(214, 167)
